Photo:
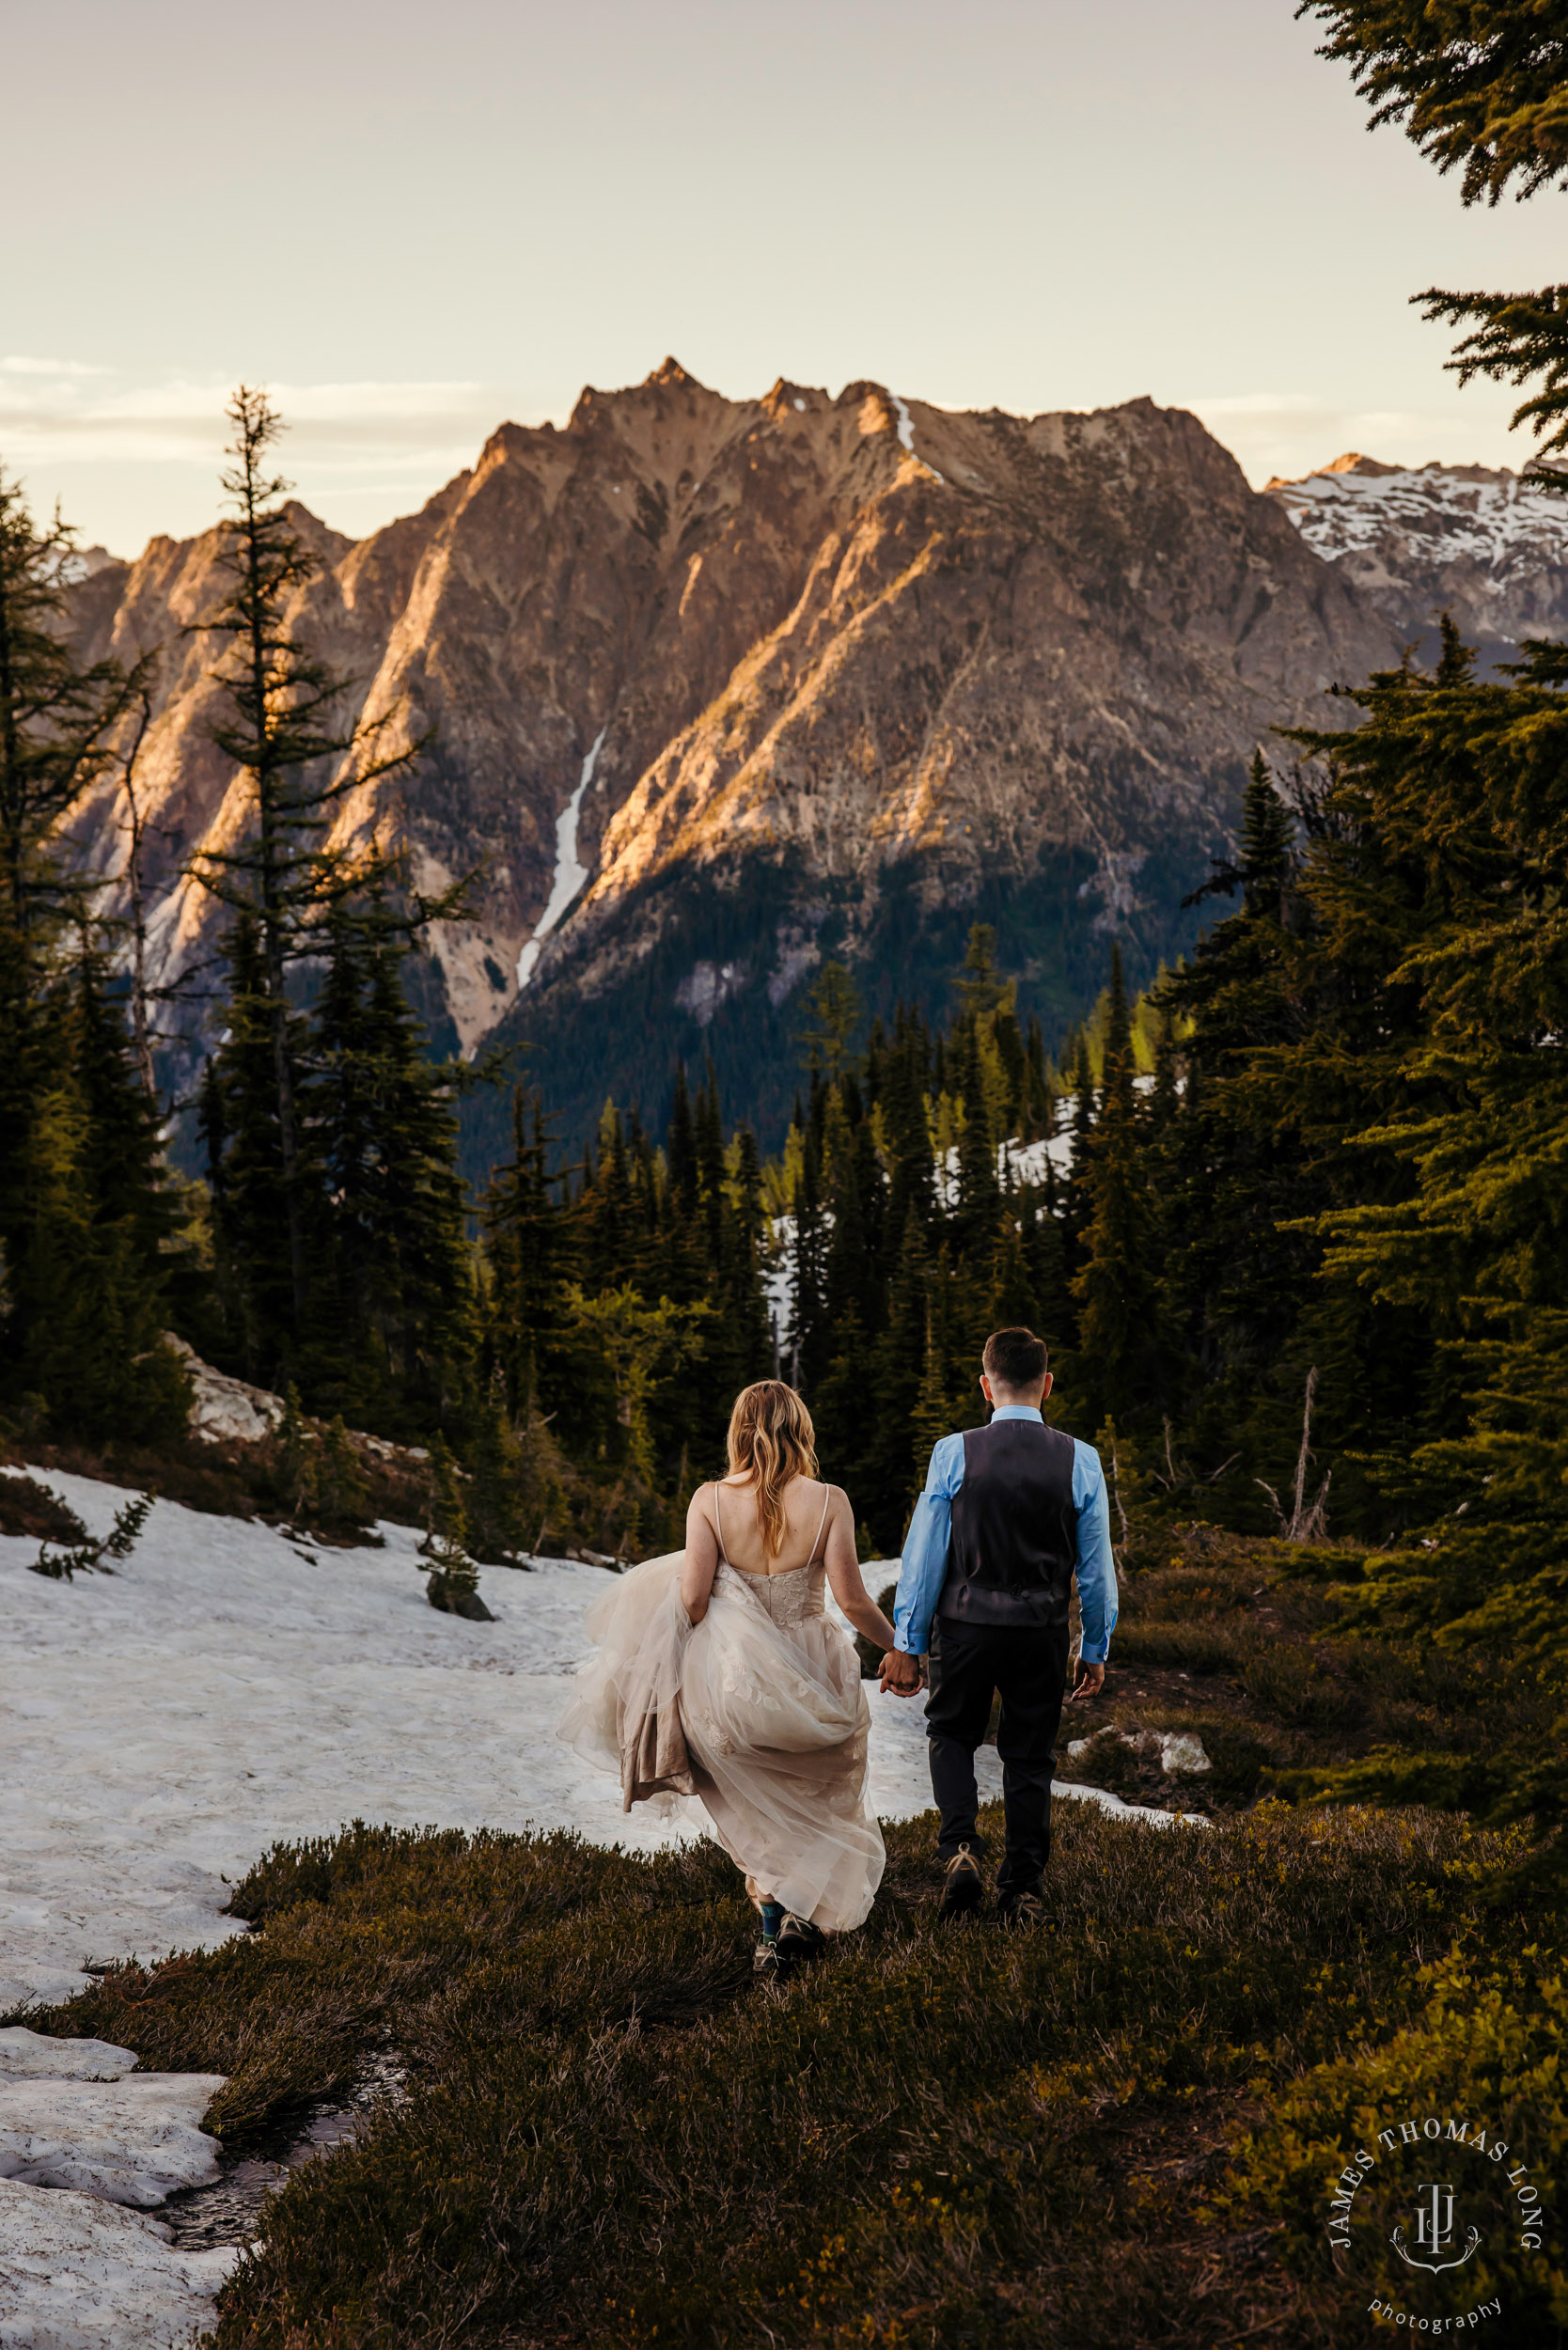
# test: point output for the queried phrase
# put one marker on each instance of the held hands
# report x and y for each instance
(900, 1674)
(1088, 1683)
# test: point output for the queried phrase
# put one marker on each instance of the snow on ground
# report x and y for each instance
(82, 2133)
(78, 2274)
(570, 873)
(132, 2136)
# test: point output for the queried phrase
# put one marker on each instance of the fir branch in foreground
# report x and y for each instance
(1473, 82)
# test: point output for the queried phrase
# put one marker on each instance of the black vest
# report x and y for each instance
(1014, 1528)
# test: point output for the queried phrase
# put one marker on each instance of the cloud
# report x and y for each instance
(47, 415)
(17, 364)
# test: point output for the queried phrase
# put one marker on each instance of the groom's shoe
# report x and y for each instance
(1021, 1905)
(964, 1887)
(798, 1940)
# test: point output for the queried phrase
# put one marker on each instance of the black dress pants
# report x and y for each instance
(1028, 1664)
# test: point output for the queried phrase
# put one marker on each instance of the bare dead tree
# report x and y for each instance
(1308, 1522)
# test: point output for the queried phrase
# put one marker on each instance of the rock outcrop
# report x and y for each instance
(720, 687)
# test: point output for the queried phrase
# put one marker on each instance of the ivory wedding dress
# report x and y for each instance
(759, 1711)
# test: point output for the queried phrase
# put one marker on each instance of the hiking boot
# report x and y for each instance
(1021, 1905)
(764, 1959)
(965, 1886)
(798, 1940)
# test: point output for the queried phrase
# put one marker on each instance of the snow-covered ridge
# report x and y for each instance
(1468, 510)
(1477, 540)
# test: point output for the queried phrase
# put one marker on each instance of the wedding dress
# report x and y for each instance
(759, 1711)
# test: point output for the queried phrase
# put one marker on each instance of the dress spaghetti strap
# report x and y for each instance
(828, 1496)
(718, 1526)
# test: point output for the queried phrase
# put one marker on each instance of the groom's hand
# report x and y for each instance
(1090, 1681)
(901, 1674)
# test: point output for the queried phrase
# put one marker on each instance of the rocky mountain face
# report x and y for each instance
(1419, 541)
(721, 688)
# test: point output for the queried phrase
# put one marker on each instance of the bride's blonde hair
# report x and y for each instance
(773, 1441)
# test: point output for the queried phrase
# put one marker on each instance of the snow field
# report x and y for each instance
(82, 2135)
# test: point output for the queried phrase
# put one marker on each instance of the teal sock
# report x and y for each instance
(773, 1917)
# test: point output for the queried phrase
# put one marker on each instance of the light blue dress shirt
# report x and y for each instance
(924, 1567)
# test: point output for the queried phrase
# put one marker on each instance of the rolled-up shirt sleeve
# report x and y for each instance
(1096, 1568)
(924, 1567)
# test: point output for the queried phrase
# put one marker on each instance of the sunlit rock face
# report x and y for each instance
(1472, 541)
(720, 688)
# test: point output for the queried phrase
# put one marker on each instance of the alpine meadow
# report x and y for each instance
(773, 892)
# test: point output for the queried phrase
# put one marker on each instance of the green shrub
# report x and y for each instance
(1196, 1647)
(1291, 1683)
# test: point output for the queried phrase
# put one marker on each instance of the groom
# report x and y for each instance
(1009, 1516)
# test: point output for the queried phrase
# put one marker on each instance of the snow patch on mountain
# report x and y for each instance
(1467, 510)
(570, 873)
(906, 434)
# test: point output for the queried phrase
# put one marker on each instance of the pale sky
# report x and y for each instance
(414, 222)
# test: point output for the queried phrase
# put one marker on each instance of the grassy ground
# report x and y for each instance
(1251, 1645)
(1102, 2132)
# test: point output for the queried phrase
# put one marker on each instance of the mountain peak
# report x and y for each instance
(671, 371)
(1352, 462)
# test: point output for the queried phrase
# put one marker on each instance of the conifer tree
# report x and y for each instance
(453, 1584)
(809, 1334)
(528, 1245)
(1120, 1357)
(55, 721)
(1478, 86)
(1466, 784)
(342, 1493)
(294, 1456)
(85, 1216)
(833, 1007)
(299, 759)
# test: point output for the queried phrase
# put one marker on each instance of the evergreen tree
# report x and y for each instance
(1119, 1362)
(239, 1114)
(56, 722)
(300, 760)
(453, 1585)
(528, 1245)
(833, 1004)
(85, 1214)
(1466, 785)
(809, 1332)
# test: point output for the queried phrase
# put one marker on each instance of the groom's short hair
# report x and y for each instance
(1015, 1358)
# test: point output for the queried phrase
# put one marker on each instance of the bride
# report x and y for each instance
(717, 1674)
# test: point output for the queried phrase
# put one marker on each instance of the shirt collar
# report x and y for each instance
(1018, 1411)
